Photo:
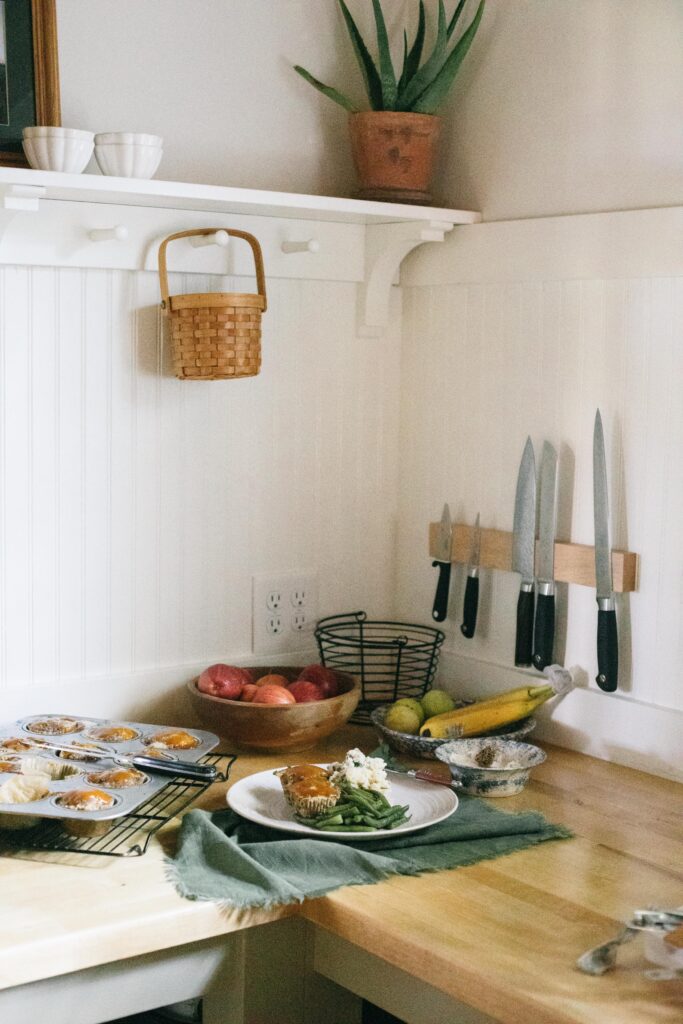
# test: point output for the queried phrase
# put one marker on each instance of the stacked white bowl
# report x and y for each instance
(57, 149)
(128, 154)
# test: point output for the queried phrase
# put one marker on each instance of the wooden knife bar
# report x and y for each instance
(574, 563)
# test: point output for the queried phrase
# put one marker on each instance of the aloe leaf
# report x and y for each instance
(373, 84)
(412, 61)
(402, 79)
(429, 70)
(434, 94)
(327, 90)
(454, 20)
(386, 68)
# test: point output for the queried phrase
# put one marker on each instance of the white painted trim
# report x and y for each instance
(610, 726)
(632, 243)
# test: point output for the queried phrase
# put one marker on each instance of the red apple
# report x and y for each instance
(224, 681)
(272, 679)
(272, 695)
(323, 677)
(248, 691)
(305, 691)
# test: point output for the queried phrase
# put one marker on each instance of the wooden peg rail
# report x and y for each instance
(574, 563)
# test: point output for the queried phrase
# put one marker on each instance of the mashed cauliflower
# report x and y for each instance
(361, 771)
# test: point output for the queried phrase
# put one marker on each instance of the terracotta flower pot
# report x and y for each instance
(394, 154)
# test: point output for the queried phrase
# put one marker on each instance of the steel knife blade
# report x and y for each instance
(471, 604)
(544, 625)
(608, 653)
(443, 561)
(523, 550)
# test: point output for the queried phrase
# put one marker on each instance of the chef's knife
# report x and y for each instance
(544, 626)
(469, 617)
(443, 560)
(523, 549)
(181, 769)
(608, 654)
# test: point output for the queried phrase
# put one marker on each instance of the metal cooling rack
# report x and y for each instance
(130, 835)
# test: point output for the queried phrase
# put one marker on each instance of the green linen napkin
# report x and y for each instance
(225, 858)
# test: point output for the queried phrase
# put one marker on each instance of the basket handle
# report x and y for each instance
(255, 248)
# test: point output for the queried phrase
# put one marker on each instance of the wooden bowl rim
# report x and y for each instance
(325, 702)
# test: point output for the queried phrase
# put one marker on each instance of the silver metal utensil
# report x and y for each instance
(424, 775)
(523, 550)
(471, 605)
(608, 653)
(544, 623)
(163, 765)
(443, 560)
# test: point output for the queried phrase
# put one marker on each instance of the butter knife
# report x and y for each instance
(424, 775)
(181, 769)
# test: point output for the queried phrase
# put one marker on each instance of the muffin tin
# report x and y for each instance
(126, 799)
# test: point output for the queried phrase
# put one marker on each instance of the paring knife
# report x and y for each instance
(469, 616)
(608, 652)
(523, 549)
(181, 769)
(443, 560)
(544, 626)
(424, 775)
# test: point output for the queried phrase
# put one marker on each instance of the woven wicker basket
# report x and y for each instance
(215, 336)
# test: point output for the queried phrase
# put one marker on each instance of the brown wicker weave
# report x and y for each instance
(217, 335)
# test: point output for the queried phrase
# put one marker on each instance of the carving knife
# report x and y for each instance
(443, 560)
(469, 615)
(523, 549)
(608, 653)
(544, 625)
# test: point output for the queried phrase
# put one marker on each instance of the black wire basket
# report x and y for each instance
(391, 659)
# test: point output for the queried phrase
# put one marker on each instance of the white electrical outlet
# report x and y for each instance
(284, 611)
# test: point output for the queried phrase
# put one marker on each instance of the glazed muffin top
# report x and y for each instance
(113, 733)
(174, 739)
(69, 755)
(86, 800)
(60, 725)
(15, 743)
(117, 778)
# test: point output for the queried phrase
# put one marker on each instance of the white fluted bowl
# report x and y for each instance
(128, 154)
(48, 148)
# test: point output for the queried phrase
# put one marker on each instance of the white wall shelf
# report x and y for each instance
(88, 220)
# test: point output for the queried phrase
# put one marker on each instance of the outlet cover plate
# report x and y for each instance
(291, 599)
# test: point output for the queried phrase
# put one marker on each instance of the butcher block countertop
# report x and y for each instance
(501, 936)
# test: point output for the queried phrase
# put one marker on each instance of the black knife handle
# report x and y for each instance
(469, 612)
(181, 769)
(440, 609)
(525, 626)
(544, 631)
(608, 650)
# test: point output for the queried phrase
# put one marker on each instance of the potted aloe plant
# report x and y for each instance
(394, 144)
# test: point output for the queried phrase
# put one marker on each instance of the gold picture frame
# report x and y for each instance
(46, 93)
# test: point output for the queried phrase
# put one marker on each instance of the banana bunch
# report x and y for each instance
(485, 715)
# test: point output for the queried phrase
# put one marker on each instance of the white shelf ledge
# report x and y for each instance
(89, 220)
(95, 188)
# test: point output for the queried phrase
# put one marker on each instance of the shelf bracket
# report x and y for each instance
(22, 197)
(386, 246)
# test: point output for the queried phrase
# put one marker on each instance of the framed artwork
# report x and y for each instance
(29, 73)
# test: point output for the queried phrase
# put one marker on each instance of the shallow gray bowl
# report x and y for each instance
(424, 746)
(468, 777)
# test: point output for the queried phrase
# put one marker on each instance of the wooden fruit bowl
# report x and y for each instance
(276, 727)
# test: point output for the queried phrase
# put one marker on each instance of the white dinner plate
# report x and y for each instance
(260, 798)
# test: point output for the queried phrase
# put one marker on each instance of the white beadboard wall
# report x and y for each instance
(525, 328)
(134, 508)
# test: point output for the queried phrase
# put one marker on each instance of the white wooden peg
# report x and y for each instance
(119, 233)
(221, 238)
(310, 245)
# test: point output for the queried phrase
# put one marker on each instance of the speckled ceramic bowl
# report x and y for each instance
(508, 773)
(424, 746)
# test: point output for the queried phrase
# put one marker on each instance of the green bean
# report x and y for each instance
(347, 828)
